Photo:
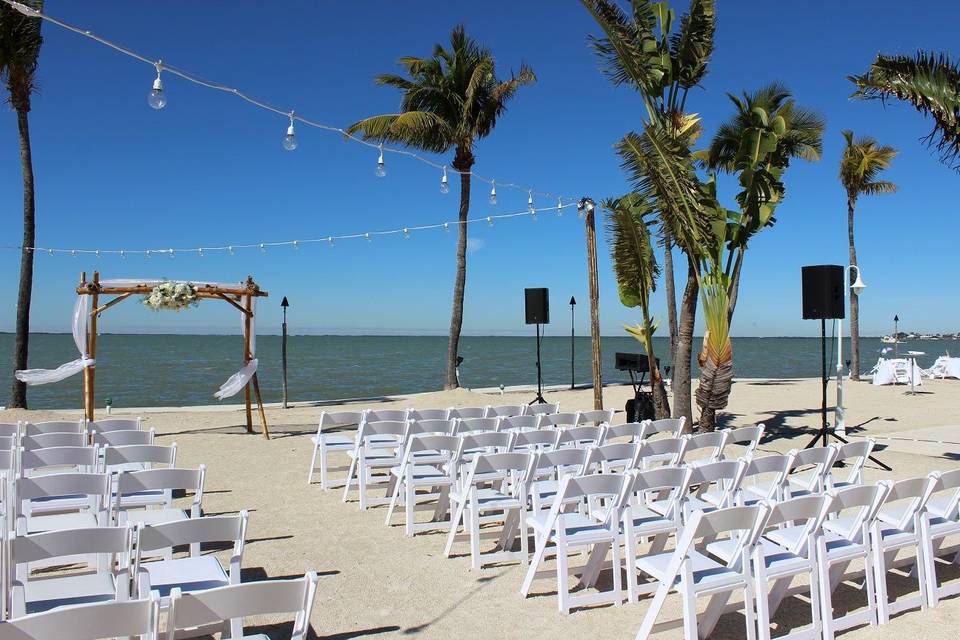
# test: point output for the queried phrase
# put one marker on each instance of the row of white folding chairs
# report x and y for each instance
(26, 428)
(128, 560)
(189, 613)
(325, 443)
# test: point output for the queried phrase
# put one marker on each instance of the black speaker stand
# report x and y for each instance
(826, 431)
(539, 399)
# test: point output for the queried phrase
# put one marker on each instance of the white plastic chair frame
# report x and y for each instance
(938, 521)
(139, 490)
(560, 420)
(506, 411)
(472, 425)
(88, 622)
(713, 441)
(53, 426)
(595, 417)
(200, 612)
(815, 480)
(543, 408)
(325, 443)
(519, 423)
(438, 474)
(76, 459)
(56, 439)
(372, 453)
(747, 437)
(115, 424)
(138, 457)
(859, 452)
(86, 492)
(123, 438)
(765, 478)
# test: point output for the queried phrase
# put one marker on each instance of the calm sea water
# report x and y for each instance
(164, 370)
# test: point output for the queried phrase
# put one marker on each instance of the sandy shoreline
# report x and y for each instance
(379, 583)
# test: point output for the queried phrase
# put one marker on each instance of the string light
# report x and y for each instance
(123, 255)
(530, 201)
(444, 185)
(147, 255)
(493, 193)
(157, 98)
(406, 232)
(559, 206)
(290, 140)
(381, 165)
(217, 86)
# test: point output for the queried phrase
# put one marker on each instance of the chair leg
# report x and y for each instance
(350, 472)
(411, 500)
(540, 548)
(313, 462)
(762, 601)
(653, 611)
(689, 613)
(880, 580)
(871, 578)
(454, 525)
(617, 584)
(933, 595)
(563, 563)
(394, 498)
(473, 515)
(324, 470)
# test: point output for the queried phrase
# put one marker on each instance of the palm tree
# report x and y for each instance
(450, 100)
(862, 161)
(636, 269)
(642, 50)
(931, 83)
(20, 42)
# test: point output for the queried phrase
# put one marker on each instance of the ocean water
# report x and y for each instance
(164, 370)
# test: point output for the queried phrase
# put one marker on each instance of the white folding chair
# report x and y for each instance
(765, 478)
(694, 574)
(506, 411)
(47, 440)
(506, 496)
(476, 443)
(630, 431)
(138, 457)
(372, 454)
(742, 442)
(704, 448)
(595, 417)
(123, 438)
(463, 413)
(115, 424)
(669, 427)
(429, 414)
(846, 537)
(85, 494)
(519, 423)
(88, 622)
(381, 415)
(438, 426)
(325, 443)
(146, 497)
(580, 437)
(542, 408)
(546, 470)
(853, 455)
(53, 426)
(938, 521)
(814, 480)
(437, 473)
(107, 544)
(10, 429)
(896, 528)
(665, 451)
(472, 425)
(536, 441)
(34, 462)
(195, 572)
(797, 521)
(209, 610)
(564, 529)
(559, 420)
(618, 457)
(717, 485)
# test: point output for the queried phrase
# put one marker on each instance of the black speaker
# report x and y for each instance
(822, 292)
(537, 303)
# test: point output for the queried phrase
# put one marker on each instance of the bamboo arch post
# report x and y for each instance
(242, 294)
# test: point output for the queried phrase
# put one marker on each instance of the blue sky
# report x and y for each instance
(209, 169)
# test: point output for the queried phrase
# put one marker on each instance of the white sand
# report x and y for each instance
(379, 583)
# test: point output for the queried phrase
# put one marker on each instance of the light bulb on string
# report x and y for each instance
(444, 185)
(263, 248)
(290, 140)
(367, 236)
(533, 215)
(172, 254)
(147, 254)
(446, 227)
(74, 253)
(50, 251)
(200, 252)
(406, 233)
(330, 240)
(493, 192)
(559, 207)
(123, 254)
(230, 249)
(98, 254)
(490, 221)
(530, 201)
(296, 244)
(157, 98)
(381, 165)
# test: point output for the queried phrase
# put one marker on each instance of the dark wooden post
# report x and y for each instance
(587, 207)
(283, 352)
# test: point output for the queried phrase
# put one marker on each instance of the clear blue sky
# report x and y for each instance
(209, 169)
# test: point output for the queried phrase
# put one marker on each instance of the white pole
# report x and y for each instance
(838, 418)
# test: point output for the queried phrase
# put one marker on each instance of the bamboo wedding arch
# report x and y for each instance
(241, 296)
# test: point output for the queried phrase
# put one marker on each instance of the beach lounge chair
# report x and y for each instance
(209, 610)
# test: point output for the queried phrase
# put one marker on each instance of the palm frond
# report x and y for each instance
(20, 42)
(862, 161)
(631, 250)
(928, 81)
(629, 52)
(419, 129)
(692, 45)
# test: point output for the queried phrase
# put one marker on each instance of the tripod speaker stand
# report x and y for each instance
(537, 308)
(823, 300)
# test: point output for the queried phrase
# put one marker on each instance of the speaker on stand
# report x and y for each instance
(823, 300)
(537, 309)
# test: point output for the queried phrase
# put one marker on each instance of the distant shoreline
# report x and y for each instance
(428, 335)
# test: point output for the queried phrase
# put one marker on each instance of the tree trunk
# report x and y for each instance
(734, 287)
(18, 396)
(681, 373)
(462, 162)
(854, 300)
(671, 293)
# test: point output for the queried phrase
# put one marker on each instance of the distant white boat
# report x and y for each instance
(890, 340)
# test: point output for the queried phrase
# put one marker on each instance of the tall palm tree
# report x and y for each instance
(20, 42)
(931, 83)
(450, 100)
(636, 269)
(862, 162)
(643, 50)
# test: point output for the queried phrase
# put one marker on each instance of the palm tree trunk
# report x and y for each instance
(462, 162)
(681, 373)
(854, 300)
(734, 286)
(671, 293)
(18, 396)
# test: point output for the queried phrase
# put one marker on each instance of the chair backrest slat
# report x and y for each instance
(88, 622)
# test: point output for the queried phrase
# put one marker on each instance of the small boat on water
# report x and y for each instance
(890, 340)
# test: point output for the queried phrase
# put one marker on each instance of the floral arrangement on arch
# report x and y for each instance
(172, 296)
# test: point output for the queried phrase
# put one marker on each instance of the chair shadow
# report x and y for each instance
(484, 581)
(258, 574)
(282, 630)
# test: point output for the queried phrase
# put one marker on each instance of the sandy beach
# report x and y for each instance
(378, 583)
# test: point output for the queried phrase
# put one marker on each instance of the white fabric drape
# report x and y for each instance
(886, 372)
(80, 330)
(945, 367)
(239, 380)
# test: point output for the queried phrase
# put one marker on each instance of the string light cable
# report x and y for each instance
(158, 99)
(231, 249)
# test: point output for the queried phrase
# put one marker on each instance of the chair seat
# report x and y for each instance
(938, 506)
(141, 498)
(759, 489)
(59, 503)
(660, 506)
(787, 537)
(61, 521)
(842, 526)
(839, 548)
(892, 537)
(50, 593)
(776, 559)
(579, 529)
(800, 483)
(378, 458)
(707, 573)
(424, 474)
(196, 573)
(156, 516)
(647, 522)
(488, 499)
(334, 442)
(713, 498)
(940, 527)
